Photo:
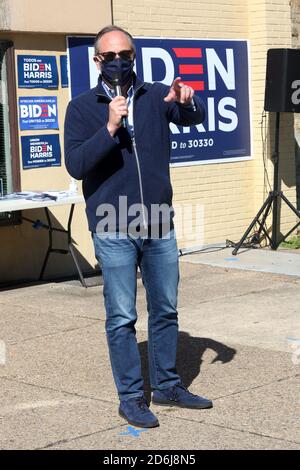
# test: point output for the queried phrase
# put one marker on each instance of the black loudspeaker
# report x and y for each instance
(282, 93)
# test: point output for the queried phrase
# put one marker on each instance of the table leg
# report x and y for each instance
(70, 249)
(50, 240)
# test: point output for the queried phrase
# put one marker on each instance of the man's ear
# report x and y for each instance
(97, 62)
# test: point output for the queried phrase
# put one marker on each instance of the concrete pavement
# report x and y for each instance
(239, 345)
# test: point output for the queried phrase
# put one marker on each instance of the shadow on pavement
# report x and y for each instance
(189, 357)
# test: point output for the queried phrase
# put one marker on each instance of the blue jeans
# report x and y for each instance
(158, 262)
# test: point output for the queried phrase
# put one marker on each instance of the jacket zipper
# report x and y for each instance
(145, 225)
(140, 181)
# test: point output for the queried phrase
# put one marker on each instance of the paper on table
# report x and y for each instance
(37, 195)
(56, 194)
(18, 195)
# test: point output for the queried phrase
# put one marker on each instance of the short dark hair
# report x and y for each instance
(109, 29)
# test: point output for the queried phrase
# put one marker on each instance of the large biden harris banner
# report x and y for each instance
(218, 71)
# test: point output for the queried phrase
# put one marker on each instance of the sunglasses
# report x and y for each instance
(109, 56)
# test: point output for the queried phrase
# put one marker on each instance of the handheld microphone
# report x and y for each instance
(118, 92)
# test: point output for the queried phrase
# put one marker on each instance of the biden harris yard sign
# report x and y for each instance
(37, 71)
(218, 71)
(38, 112)
(40, 151)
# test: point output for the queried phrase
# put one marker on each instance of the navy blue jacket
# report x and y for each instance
(107, 165)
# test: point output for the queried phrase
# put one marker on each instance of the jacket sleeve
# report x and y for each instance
(82, 152)
(187, 115)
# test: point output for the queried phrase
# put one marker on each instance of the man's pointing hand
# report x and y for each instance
(180, 92)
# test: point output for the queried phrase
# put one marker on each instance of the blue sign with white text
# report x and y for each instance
(83, 72)
(218, 71)
(38, 112)
(37, 71)
(40, 151)
(64, 71)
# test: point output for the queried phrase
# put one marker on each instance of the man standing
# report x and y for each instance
(117, 142)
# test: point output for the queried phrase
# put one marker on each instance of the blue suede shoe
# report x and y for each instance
(137, 413)
(178, 395)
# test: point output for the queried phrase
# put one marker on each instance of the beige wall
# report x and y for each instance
(270, 27)
(22, 247)
(295, 10)
(231, 192)
(55, 16)
(295, 7)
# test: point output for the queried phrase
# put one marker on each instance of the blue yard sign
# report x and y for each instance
(38, 112)
(83, 71)
(64, 71)
(40, 151)
(37, 71)
(218, 71)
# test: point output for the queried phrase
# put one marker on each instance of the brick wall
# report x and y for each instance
(270, 27)
(295, 14)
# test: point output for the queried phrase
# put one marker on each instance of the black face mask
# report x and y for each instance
(122, 68)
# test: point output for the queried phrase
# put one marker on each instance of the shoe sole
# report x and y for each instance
(203, 407)
(138, 425)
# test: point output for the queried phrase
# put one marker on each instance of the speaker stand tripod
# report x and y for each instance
(272, 201)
